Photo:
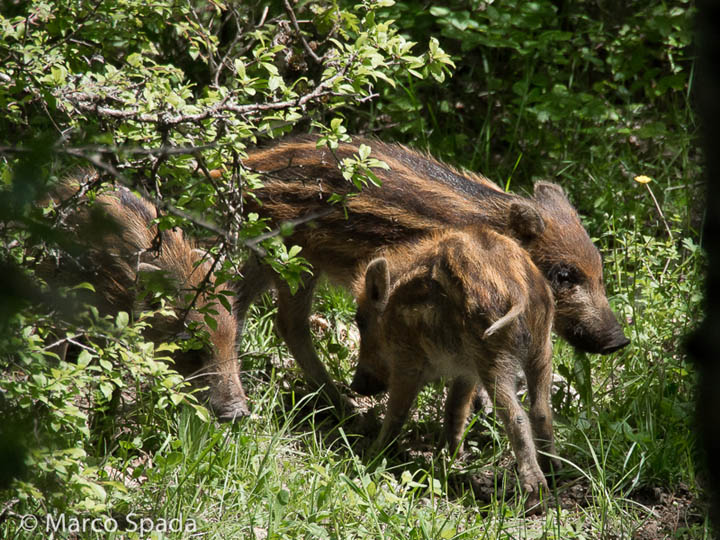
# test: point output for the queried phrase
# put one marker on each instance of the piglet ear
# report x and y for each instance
(526, 222)
(552, 199)
(546, 190)
(377, 283)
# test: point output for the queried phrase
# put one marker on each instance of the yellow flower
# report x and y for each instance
(642, 179)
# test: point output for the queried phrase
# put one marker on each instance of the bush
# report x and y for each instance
(156, 96)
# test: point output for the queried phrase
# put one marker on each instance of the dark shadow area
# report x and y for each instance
(704, 344)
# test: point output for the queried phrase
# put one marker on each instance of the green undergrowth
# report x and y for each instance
(293, 470)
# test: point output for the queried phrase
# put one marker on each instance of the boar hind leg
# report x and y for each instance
(538, 373)
(517, 426)
(404, 388)
(457, 408)
(293, 324)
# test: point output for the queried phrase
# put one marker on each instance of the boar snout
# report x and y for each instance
(613, 339)
(616, 344)
(602, 336)
(228, 411)
(367, 384)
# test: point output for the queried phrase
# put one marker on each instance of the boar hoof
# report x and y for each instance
(348, 405)
(537, 494)
(229, 412)
(534, 506)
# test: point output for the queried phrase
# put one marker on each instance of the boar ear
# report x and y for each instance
(546, 192)
(377, 282)
(525, 221)
(148, 268)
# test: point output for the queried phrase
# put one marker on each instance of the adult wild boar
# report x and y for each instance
(469, 306)
(418, 195)
(115, 243)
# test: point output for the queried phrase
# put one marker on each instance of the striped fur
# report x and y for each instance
(418, 195)
(113, 243)
(471, 306)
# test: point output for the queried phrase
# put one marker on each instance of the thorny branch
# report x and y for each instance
(89, 103)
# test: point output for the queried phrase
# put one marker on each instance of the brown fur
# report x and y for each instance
(424, 312)
(117, 244)
(418, 195)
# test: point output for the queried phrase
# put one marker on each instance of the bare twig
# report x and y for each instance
(87, 102)
(170, 209)
(202, 286)
(228, 238)
(92, 148)
(230, 48)
(6, 508)
(81, 345)
(61, 341)
(295, 24)
(263, 17)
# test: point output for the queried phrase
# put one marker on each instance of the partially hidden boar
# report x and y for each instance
(418, 195)
(469, 306)
(116, 246)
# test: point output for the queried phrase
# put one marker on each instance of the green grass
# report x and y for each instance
(294, 471)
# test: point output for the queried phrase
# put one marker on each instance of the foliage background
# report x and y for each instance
(589, 94)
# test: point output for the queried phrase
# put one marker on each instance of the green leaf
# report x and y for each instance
(364, 151)
(135, 60)
(105, 364)
(283, 497)
(173, 459)
(84, 358)
(210, 321)
(107, 389)
(275, 82)
(121, 320)
(294, 251)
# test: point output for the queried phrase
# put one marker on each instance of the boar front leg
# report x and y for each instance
(403, 389)
(227, 397)
(501, 387)
(457, 408)
(538, 373)
(293, 324)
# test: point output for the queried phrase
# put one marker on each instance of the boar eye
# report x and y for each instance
(565, 276)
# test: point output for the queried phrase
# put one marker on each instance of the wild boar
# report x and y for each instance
(113, 245)
(418, 195)
(469, 306)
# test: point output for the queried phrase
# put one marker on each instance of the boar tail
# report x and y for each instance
(506, 319)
